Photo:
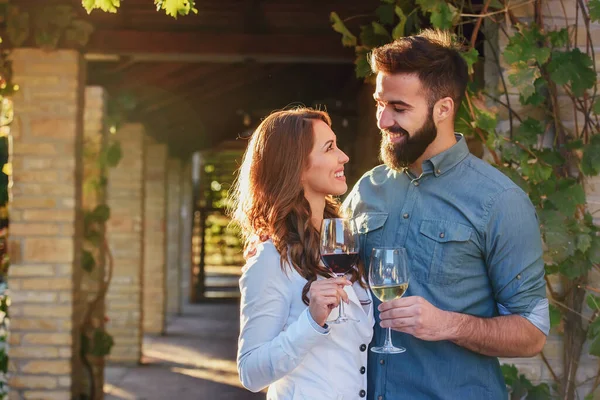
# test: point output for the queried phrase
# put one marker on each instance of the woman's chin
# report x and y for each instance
(339, 189)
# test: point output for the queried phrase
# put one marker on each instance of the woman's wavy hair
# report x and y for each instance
(267, 198)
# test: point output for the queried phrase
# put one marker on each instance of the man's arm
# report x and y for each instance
(503, 336)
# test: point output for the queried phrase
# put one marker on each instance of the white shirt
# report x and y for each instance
(279, 347)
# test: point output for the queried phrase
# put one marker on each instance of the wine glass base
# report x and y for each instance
(388, 350)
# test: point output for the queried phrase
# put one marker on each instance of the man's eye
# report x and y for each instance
(399, 110)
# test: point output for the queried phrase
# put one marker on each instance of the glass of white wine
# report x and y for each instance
(388, 279)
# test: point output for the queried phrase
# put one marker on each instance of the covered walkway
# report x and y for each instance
(195, 360)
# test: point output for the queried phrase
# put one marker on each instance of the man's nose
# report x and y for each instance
(384, 119)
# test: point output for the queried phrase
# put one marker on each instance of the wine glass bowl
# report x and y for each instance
(339, 251)
(388, 280)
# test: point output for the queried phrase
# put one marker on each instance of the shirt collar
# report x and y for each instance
(448, 159)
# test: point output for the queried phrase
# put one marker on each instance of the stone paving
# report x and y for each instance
(195, 360)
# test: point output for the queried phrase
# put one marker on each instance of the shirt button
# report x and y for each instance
(416, 183)
(438, 171)
(363, 347)
(519, 276)
(405, 216)
(363, 370)
(379, 397)
(362, 393)
(442, 235)
(382, 361)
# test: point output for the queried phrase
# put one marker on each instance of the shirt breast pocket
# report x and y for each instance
(370, 229)
(442, 247)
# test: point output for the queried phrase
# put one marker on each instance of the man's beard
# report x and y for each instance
(399, 156)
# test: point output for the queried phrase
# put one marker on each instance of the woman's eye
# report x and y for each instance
(330, 147)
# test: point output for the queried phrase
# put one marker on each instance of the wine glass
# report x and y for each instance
(388, 279)
(339, 252)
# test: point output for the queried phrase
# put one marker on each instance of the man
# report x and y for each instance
(477, 288)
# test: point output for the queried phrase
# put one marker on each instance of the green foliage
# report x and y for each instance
(173, 8)
(521, 387)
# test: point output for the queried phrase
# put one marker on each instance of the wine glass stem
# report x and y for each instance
(341, 314)
(388, 338)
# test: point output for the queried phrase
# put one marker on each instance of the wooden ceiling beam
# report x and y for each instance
(220, 47)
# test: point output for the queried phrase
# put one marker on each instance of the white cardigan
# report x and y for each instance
(280, 346)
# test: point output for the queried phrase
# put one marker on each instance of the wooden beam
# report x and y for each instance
(220, 47)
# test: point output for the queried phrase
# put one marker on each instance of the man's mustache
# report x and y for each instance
(395, 130)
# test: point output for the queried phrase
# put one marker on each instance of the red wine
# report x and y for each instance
(340, 263)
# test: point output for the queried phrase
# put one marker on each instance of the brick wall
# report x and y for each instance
(154, 231)
(173, 238)
(126, 240)
(46, 224)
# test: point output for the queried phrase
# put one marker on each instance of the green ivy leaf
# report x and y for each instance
(593, 302)
(104, 5)
(594, 6)
(590, 162)
(584, 242)
(101, 213)
(555, 316)
(540, 93)
(594, 250)
(362, 66)
(88, 262)
(556, 235)
(559, 38)
(594, 328)
(515, 177)
(528, 131)
(380, 30)
(551, 157)
(573, 68)
(526, 47)
(470, 57)
(596, 106)
(399, 29)
(536, 171)
(174, 8)
(522, 77)
(113, 154)
(567, 199)
(370, 38)
(485, 120)
(102, 343)
(385, 13)
(576, 266)
(595, 347)
(348, 39)
(443, 17)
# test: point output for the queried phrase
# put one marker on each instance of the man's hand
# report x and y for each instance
(325, 295)
(417, 317)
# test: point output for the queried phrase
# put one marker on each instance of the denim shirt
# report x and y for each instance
(474, 247)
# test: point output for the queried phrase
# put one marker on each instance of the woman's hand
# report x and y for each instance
(325, 295)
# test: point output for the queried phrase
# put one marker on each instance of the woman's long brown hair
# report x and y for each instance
(267, 198)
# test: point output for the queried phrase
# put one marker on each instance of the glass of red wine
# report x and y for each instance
(339, 252)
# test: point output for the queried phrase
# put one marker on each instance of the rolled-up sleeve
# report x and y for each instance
(267, 348)
(514, 258)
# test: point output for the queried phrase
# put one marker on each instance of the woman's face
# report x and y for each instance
(325, 173)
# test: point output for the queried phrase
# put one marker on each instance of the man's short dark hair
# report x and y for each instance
(433, 57)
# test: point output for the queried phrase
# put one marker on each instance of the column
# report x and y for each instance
(154, 231)
(173, 238)
(125, 197)
(46, 224)
(185, 242)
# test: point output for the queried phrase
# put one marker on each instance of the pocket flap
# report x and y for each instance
(370, 221)
(446, 231)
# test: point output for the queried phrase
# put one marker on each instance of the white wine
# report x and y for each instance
(385, 293)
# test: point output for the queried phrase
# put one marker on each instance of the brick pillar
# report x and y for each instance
(173, 238)
(46, 224)
(95, 139)
(185, 242)
(154, 232)
(125, 233)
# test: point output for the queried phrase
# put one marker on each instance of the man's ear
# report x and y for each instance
(443, 110)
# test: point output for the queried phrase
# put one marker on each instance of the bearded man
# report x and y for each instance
(477, 289)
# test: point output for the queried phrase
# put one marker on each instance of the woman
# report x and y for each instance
(290, 172)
